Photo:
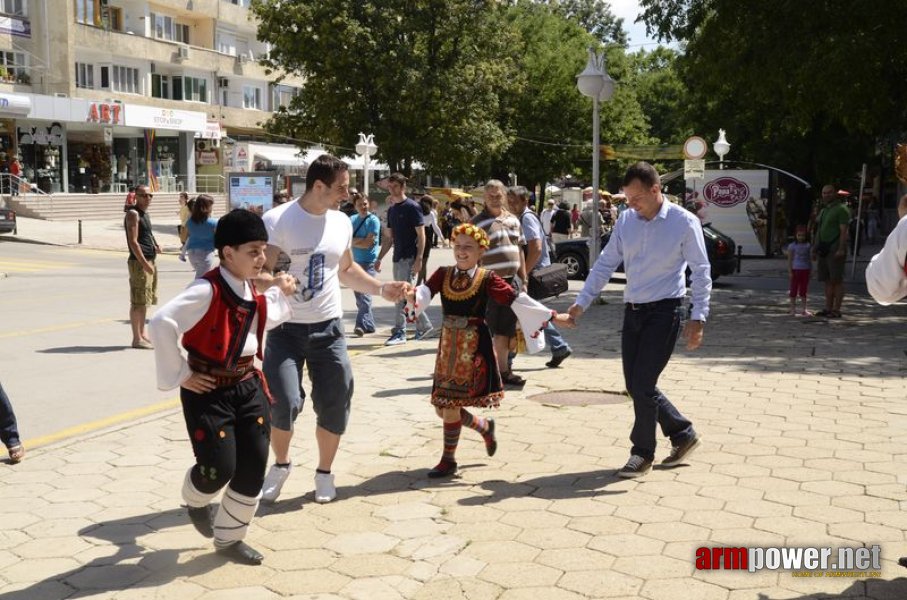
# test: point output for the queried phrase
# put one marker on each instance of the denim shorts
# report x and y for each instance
(322, 348)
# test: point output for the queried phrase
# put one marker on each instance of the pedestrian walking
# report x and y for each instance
(222, 319)
(466, 372)
(799, 268)
(143, 249)
(312, 241)
(505, 259)
(366, 241)
(433, 233)
(405, 233)
(561, 227)
(9, 429)
(830, 250)
(655, 240)
(200, 227)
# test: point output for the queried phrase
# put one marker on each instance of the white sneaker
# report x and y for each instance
(274, 481)
(324, 487)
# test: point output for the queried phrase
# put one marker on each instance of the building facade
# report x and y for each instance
(97, 96)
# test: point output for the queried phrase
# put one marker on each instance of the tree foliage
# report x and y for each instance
(806, 85)
(425, 76)
(594, 16)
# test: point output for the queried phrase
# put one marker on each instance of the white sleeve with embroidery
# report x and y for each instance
(533, 317)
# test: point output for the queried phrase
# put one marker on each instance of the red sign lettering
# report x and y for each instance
(99, 112)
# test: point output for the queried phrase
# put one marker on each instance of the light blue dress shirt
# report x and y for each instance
(655, 254)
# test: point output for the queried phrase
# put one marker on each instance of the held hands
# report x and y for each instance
(286, 282)
(564, 320)
(692, 333)
(573, 315)
(200, 383)
(394, 291)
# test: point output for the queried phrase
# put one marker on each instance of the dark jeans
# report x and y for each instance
(9, 431)
(648, 339)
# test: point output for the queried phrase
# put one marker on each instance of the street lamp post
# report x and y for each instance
(366, 149)
(594, 82)
(721, 147)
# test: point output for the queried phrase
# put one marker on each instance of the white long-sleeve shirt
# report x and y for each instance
(885, 275)
(433, 223)
(184, 311)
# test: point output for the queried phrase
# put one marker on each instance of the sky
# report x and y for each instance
(628, 10)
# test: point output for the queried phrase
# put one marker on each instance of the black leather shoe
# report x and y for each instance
(242, 553)
(203, 519)
(491, 446)
(443, 469)
(556, 361)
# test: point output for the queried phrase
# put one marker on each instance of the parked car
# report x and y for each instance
(575, 253)
(7, 221)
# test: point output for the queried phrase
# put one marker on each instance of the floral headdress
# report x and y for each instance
(476, 233)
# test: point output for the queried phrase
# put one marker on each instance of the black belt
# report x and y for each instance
(657, 303)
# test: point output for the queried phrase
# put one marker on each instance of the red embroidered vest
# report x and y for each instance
(221, 334)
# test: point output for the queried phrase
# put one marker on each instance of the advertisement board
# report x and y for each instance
(737, 204)
(252, 191)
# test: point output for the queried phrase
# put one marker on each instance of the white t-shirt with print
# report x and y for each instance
(315, 245)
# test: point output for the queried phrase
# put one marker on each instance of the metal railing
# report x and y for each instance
(22, 190)
(204, 184)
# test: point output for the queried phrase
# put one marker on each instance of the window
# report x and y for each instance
(14, 7)
(84, 76)
(195, 89)
(160, 86)
(112, 18)
(283, 95)
(251, 97)
(125, 80)
(105, 78)
(226, 43)
(88, 12)
(13, 67)
(166, 28)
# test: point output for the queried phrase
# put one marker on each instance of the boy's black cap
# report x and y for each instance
(238, 227)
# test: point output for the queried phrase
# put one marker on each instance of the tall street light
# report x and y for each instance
(366, 149)
(721, 147)
(594, 82)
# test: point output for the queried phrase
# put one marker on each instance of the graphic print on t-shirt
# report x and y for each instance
(311, 280)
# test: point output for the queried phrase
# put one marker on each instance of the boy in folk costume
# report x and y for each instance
(222, 319)
(466, 372)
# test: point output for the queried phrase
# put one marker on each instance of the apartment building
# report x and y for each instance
(100, 95)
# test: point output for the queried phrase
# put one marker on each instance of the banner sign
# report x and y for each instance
(252, 191)
(637, 152)
(737, 204)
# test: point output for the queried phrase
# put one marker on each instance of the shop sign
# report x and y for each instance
(102, 112)
(726, 191)
(212, 131)
(15, 26)
(252, 191)
(165, 118)
(11, 103)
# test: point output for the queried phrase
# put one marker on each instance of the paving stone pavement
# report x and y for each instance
(805, 443)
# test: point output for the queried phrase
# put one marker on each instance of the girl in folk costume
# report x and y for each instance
(466, 372)
(222, 319)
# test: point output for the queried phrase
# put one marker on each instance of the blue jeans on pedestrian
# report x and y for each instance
(322, 348)
(403, 271)
(365, 320)
(647, 343)
(9, 431)
(555, 341)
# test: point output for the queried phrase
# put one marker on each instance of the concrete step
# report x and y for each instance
(68, 207)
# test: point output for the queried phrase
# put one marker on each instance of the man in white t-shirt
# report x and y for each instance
(311, 241)
(545, 217)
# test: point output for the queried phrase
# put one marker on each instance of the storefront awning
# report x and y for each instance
(14, 104)
(278, 156)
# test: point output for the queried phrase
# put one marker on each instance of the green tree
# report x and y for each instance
(809, 86)
(594, 16)
(550, 120)
(661, 94)
(425, 76)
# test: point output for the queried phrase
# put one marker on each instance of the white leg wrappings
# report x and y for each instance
(233, 516)
(194, 498)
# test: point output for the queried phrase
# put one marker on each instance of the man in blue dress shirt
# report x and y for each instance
(655, 240)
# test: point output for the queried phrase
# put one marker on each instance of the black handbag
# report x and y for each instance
(548, 281)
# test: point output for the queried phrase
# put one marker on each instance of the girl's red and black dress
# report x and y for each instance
(466, 372)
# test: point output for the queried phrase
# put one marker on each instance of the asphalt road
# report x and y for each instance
(65, 346)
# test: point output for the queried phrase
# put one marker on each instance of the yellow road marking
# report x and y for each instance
(33, 263)
(62, 327)
(130, 415)
(102, 423)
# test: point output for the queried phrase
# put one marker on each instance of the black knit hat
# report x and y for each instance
(238, 227)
